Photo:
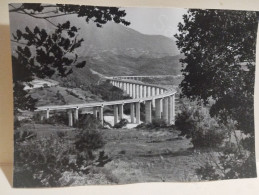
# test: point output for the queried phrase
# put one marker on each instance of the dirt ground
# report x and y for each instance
(138, 155)
(150, 156)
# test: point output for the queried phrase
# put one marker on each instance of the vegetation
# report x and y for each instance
(43, 54)
(219, 64)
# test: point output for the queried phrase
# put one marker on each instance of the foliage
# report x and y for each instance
(40, 53)
(231, 163)
(42, 162)
(108, 92)
(219, 49)
(122, 123)
(195, 123)
(88, 121)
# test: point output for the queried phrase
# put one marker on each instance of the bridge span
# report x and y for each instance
(155, 97)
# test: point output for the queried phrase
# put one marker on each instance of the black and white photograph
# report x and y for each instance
(122, 95)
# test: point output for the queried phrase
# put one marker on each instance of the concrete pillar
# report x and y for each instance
(140, 91)
(115, 113)
(148, 111)
(170, 111)
(101, 114)
(173, 109)
(47, 113)
(130, 89)
(165, 109)
(76, 114)
(132, 111)
(148, 91)
(161, 91)
(137, 91)
(95, 112)
(133, 91)
(127, 88)
(70, 118)
(157, 91)
(120, 111)
(138, 112)
(153, 91)
(158, 108)
(144, 91)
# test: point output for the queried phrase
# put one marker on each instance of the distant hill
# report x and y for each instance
(112, 50)
(116, 38)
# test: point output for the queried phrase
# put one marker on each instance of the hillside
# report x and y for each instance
(118, 39)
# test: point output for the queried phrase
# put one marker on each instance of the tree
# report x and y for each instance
(219, 63)
(42, 54)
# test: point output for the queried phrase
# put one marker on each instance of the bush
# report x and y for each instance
(88, 121)
(156, 123)
(194, 122)
(122, 123)
(42, 162)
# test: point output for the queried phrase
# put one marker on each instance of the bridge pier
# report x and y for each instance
(133, 91)
(148, 91)
(115, 114)
(132, 112)
(76, 114)
(137, 112)
(120, 111)
(70, 118)
(47, 114)
(101, 114)
(165, 110)
(158, 108)
(137, 91)
(95, 112)
(144, 91)
(140, 91)
(148, 111)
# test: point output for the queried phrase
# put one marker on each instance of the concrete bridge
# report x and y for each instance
(155, 97)
(140, 77)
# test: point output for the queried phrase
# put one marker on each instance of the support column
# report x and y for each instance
(138, 112)
(144, 91)
(157, 91)
(148, 111)
(158, 108)
(76, 114)
(137, 91)
(148, 91)
(127, 87)
(132, 111)
(120, 111)
(101, 114)
(140, 91)
(161, 91)
(153, 93)
(165, 109)
(70, 118)
(170, 111)
(115, 113)
(173, 109)
(47, 113)
(95, 112)
(130, 89)
(124, 87)
(133, 91)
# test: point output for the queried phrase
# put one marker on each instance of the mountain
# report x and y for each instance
(113, 49)
(115, 38)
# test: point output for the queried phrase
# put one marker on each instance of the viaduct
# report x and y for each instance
(158, 98)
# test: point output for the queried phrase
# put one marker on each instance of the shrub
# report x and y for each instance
(88, 121)
(194, 122)
(42, 162)
(122, 123)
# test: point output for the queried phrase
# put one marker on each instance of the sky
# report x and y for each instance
(155, 21)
